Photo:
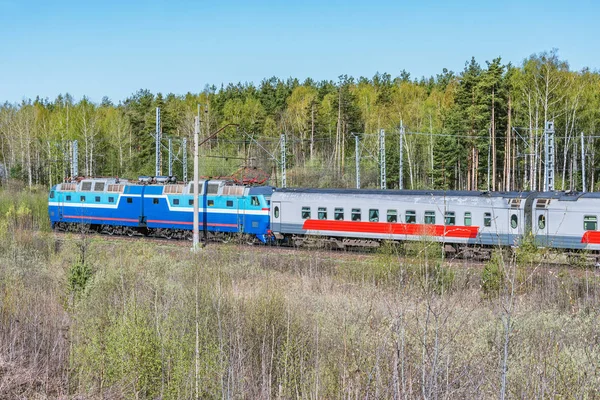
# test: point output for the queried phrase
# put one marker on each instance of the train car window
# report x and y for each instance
(213, 188)
(514, 221)
(82, 199)
(542, 221)
(154, 201)
(590, 223)
(487, 219)
(52, 194)
(175, 202)
(69, 198)
(467, 218)
(129, 200)
(276, 212)
(373, 215)
(430, 217)
(190, 202)
(305, 212)
(111, 199)
(210, 203)
(411, 217)
(254, 201)
(200, 188)
(450, 218)
(392, 216)
(338, 214)
(229, 203)
(355, 216)
(97, 199)
(322, 213)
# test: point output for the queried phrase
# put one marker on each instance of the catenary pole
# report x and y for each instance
(357, 159)
(196, 237)
(185, 166)
(157, 139)
(400, 152)
(382, 158)
(582, 164)
(283, 172)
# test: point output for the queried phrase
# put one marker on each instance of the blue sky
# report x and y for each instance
(113, 48)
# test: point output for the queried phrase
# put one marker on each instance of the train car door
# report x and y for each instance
(276, 216)
(241, 213)
(516, 221)
(540, 222)
(59, 198)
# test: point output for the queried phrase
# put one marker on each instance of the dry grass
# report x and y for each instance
(97, 319)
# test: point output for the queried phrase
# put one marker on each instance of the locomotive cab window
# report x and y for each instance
(411, 217)
(392, 216)
(430, 217)
(254, 201)
(467, 219)
(373, 215)
(338, 214)
(322, 213)
(305, 212)
(52, 194)
(590, 223)
(514, 221)
(450, 218)
(355, 216)
(487, 219)
(542, 221)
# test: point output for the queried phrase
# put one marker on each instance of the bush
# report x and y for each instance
(492, 276)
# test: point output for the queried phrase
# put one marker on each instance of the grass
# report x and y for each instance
(93, 319)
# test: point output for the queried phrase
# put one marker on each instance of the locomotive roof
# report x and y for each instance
(435, 193)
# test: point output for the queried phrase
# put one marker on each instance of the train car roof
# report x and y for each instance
(568, 196)
(435, 193)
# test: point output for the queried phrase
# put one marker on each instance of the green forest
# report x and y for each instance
(478, 129)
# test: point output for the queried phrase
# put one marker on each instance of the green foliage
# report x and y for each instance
(79, 276)
(492, 276)
(527, 251)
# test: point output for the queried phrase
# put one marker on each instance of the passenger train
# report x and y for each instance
(465, 222)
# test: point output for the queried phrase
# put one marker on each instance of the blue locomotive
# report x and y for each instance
(161, 207)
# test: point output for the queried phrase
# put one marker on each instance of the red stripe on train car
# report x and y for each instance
(592, 237)
(466, 232)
